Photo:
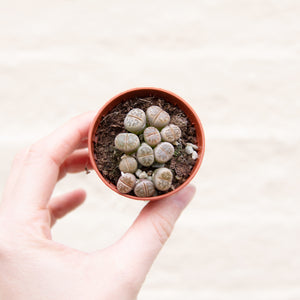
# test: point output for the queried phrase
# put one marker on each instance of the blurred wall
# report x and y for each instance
(237, 63)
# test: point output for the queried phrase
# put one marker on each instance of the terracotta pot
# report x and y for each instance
(146, 92)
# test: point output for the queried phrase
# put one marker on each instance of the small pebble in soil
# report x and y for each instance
(194, 155)
(189, 149)
(195, 147)
(143, 175)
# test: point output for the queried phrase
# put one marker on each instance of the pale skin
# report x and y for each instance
(33, 266)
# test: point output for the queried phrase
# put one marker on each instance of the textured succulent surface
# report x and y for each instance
(135, 121)
(163, 152)
(127, 142)
(128, 164)
(144, 188)
(170, 133)
(145, 155)
(143, 168)
(157, 117)
(152, 136)
(126, 183)
(162, 179)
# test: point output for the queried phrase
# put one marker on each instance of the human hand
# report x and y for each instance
(33, 266)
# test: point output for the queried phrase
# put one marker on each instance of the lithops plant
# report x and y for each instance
(127, 142)
(143, 165)
(144, 188)
(145, 155)
(162, 179)
(152, 136)
(170, 133)
(135, 121)
(126, 183)
(163, 152)
(128, 164)
(157, 117)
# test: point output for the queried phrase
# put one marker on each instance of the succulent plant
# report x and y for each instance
(135, 121)
(152, 136)
(127, 142)
(170, 133)
(163, 152)
(157, 117)
(145, 155)
(126, 183)
(145, 182)
(162, 179)
(128, 164)
(144, 188)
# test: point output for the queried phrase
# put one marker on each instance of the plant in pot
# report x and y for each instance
(146, 143)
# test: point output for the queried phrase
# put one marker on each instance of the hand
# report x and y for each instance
(35, 267)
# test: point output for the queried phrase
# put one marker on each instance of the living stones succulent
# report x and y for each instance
(128, 164)
(135, 121)
(127, 142)
(170, 133)
(163, 152)
(152, 136)
(157, 117)
(144, 188)
(162, 179)
(145, 155)
(126, 183)
(143, 165)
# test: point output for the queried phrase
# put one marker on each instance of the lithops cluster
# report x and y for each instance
(142, 165)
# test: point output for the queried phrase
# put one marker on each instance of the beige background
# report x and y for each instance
(237, 63)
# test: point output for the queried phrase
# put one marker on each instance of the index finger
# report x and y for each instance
(35, 175)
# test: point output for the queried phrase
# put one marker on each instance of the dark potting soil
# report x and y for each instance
(107, 157)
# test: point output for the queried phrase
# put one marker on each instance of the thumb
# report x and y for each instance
(145, 238)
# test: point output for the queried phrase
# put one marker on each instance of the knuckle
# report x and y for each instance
(19, 157)
(163, 227)
(34, 153)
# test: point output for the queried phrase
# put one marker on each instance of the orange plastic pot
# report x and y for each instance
(146, 92)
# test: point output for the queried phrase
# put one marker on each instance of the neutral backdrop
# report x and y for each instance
(237, 63)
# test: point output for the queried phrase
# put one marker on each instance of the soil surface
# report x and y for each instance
(107, 157)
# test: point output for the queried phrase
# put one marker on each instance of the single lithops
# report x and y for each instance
(128, 164)
(163, 152)
(127, 142)
(135, 120)
(145, 155)
(144, 188)
(126, 183)
(157, 117)
(170, 133)
(162, 179)
(152, 136)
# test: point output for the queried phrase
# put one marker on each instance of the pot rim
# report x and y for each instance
(99, 116)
